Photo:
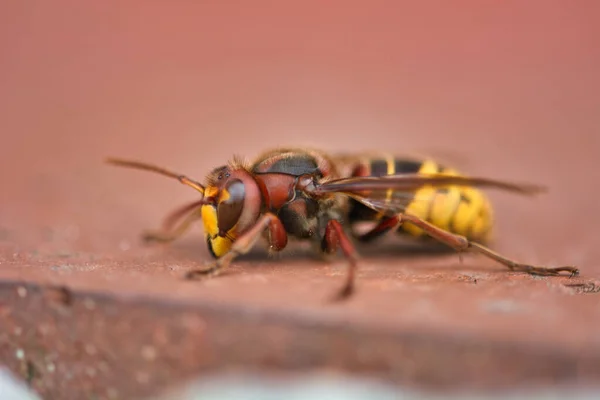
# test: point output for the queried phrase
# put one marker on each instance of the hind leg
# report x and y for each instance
(461, 243)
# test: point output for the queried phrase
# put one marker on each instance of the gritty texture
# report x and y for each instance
(88, 311)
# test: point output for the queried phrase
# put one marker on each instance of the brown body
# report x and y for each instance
(278, 174)
(309, 195)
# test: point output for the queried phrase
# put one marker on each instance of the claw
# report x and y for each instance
(155, 237)
(574, 272)
(211, 269)
(541, 271)
(148, 236)
(344, 293)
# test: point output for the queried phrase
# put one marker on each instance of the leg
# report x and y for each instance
(245, 242)
(178, 213)
(460, 243)
(168, 234)
(383, 226)
(334, 237)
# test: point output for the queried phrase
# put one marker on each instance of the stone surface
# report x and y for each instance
(508, 91)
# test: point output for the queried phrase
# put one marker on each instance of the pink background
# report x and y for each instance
(508, 89)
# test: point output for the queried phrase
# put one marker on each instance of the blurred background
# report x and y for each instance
(508, 89)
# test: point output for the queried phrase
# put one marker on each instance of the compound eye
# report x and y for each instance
(230, 208)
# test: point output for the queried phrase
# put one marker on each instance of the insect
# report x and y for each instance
(309, 195)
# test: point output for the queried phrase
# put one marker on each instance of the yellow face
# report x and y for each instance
(215, 224)
(219, 244)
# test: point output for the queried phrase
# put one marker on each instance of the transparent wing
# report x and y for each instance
(393, 193)
(397, 203)
(412, 182)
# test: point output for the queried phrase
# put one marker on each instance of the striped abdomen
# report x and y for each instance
(462, 210)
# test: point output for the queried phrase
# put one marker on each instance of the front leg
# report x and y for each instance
(245, 243)
(168, 233)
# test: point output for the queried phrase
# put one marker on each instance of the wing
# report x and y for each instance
(392, 193)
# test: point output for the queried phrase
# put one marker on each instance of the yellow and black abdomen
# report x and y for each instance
(462, 210)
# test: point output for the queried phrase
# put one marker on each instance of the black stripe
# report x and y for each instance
(379, 167)
(210, 248)
(408, 166)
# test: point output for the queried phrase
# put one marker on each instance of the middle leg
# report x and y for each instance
(336, 237)
(383, 226)
(170, 230)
